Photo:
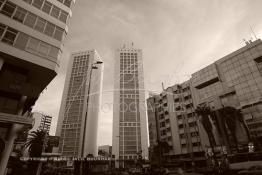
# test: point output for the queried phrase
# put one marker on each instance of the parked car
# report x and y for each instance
(254, 170)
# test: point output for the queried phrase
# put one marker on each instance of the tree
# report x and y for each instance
(241, 119)
(204, 112)
(36, 144)
(158, 152)
(231, 118)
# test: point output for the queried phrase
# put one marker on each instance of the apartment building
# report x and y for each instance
(177, 124)
(234, 80)
(41, 122)
(31, 36)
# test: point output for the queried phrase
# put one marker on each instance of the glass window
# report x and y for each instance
(8, 9)
(2, 29)
(43, 48)
(30, 20)
(28, 1)
(47, 7)
(21, 41)
(55, 12)
(58, 33)
(10, 36)
(50, 28)
(40, 24)
(20, 14)
(63, 16)
(32, 45)
(53, 52)
(38, 3)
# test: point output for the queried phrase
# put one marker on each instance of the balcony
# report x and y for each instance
(180, 122)
(194, 139)
(181, 131)
(168, 134)
(18, 119)
(183, 141)
(191, 119)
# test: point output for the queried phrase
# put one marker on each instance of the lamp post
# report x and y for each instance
(93, 66)
(118, 156)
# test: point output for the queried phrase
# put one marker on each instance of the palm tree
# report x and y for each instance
(241, 119)
(36, 144)
(230, 120)
(158, 152)
(232, 117)
(204, 112)
(161, 148)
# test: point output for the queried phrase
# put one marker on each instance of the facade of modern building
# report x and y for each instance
(31, 35)
(41, 122)
(80, 106)
(172, 113)
(129, 113)
(234, 80)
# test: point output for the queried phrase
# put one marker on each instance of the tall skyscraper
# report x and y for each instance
(31, 35)
(129, 121)
(80, 106)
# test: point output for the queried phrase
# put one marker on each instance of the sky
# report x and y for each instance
(178, 38)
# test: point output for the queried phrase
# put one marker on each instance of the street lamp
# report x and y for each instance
(93, 66)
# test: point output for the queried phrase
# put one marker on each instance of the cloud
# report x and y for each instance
(178, 37)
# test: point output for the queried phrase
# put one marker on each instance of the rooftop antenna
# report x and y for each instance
(253, 32)
(246, 41)
(250, 41)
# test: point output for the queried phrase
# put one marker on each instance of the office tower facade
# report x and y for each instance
(31, 35)
(172, 119)
(80, 106)
(129, 115)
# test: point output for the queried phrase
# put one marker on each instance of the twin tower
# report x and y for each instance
(81, 104)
